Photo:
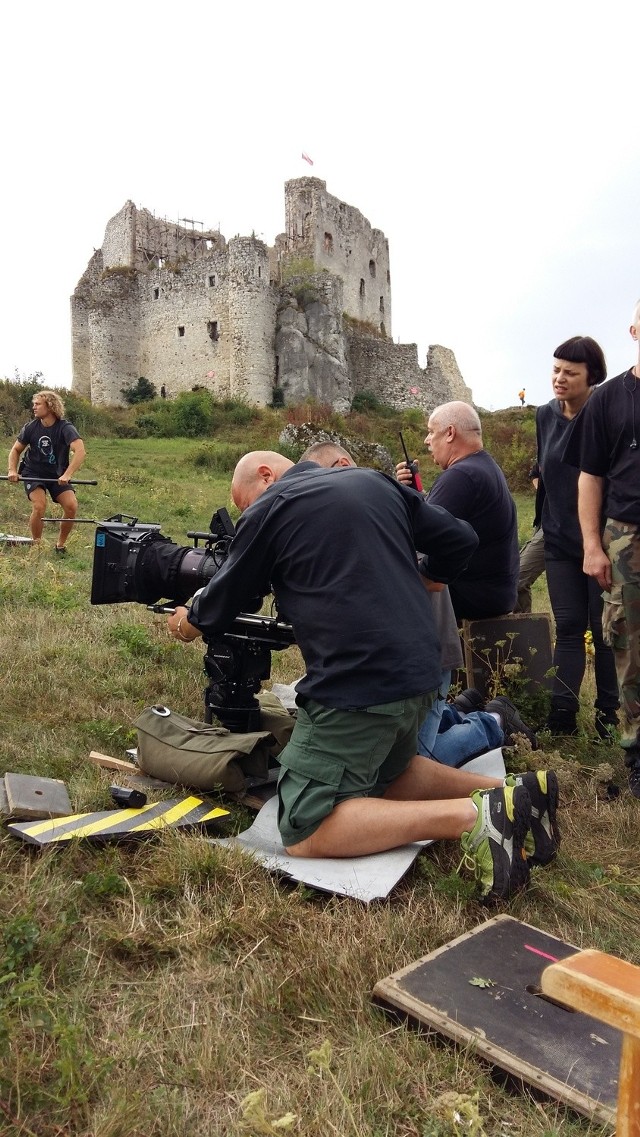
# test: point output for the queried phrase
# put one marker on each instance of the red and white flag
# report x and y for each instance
(307, 158)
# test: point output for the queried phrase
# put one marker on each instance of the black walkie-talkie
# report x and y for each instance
(412, 467)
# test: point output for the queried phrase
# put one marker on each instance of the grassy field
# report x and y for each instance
(146, 991)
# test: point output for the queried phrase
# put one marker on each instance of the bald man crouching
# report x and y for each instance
(337, 547)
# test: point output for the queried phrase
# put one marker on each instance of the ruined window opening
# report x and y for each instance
(388, 277)
(372, 268)
(212, 330)
(361, 287)
(212, 281)
(342, 207)
(259, 270)
(156, 293)
(277, 371)
(180, 329)
(209, 244)
(382, 304)
(161, 261)
(328, 242)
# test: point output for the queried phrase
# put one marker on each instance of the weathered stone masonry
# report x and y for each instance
(185, 308)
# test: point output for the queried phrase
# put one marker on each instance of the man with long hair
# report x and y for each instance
(54, 452)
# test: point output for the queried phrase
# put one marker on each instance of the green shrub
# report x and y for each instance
(365, 401)
(511, 439)
(221, 457)
(297, 267)
(139, 392)
(237, 413)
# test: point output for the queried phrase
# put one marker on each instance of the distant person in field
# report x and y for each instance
(52, 452)
(522, 396)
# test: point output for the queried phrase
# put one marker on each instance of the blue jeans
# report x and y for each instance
(452, 737)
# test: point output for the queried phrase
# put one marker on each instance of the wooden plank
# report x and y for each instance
(600, 985)
(628, 1117)
(140, 781)
(609, 989)
(33, 799)
(109, 763)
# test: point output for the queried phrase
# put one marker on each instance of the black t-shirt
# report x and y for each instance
(558, 490)
(475, 489)
(339, 548)
(48, 453)
(606, 443)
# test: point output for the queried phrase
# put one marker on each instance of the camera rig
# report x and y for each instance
(134, 561)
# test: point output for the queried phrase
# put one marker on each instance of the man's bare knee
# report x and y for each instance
(300, 849)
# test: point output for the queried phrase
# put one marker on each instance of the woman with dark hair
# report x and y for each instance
(578, 366)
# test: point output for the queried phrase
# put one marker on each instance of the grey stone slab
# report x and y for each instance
(33, 798)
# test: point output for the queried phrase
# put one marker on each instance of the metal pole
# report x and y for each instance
(46, 481)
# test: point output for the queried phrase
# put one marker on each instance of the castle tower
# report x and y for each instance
(337, 237)
(81, 304)
(252, 321)
(114, 336)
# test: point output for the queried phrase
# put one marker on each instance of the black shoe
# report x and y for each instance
(561, 721)
(511, 722)
(543, 839)
(61, 551)
(606, 724)
(634, 779)
(469, 700)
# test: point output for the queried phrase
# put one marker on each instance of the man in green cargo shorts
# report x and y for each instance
(606, 447)
(337, 546)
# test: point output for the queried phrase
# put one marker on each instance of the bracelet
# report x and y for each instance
(179, 633)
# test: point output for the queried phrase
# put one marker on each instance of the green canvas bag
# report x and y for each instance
(178, 749)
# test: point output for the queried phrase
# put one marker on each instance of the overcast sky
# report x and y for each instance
(495, 144)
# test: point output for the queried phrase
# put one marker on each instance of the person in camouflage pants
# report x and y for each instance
(605, 444)
(621, 622)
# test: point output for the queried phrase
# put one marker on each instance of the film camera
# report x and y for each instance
(133, 561)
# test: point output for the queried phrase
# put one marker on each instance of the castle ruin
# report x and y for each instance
(308, 318)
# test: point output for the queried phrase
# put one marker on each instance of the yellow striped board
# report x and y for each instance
(120, 824)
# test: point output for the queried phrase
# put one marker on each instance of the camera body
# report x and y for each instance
(134, 562)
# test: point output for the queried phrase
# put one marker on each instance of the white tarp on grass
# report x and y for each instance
(363, 878)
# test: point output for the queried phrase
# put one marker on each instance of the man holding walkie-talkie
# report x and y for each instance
(473, 488)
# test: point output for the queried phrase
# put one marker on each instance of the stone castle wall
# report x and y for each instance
(339, 239)
(136, 239)
(392, 373)
(184, 308)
